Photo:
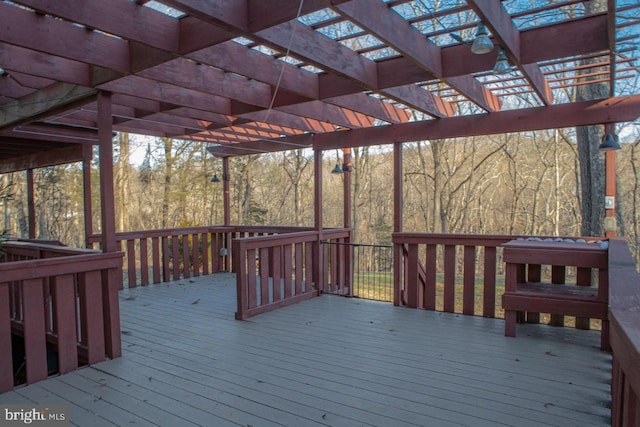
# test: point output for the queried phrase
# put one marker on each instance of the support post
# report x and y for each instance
(397, 222)
(346, 222)
(31, 204)
(225, 195)
(610, 222)
(318, 265)
(111, 279)
(87, 156)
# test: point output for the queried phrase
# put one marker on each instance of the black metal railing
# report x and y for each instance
(371, 272)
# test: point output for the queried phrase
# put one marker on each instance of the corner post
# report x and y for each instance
(397, 222)
(318, 264)
(112, 278)
(31, 204)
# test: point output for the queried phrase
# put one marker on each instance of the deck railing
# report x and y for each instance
(58, 310)
(454, 273)
(156, 256)
(624, 323)
(274, 271)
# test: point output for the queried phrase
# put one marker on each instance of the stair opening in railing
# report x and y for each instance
(368, 276)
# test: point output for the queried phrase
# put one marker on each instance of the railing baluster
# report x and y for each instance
(131, 263)
(469, 280)
(65, 322)
(449, 278)
(35, 342)
(6, 361)
(489, 290)
(144, 262)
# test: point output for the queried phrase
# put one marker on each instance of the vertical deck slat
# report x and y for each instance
(216, 244)
(155, 258)
(35, 341)
(276, 268)
(92, 319)
(449, 278)
(430, 277)
(6, 361)
(287, 270)
(144, 262)
(469, 280)
(186, 254)
(412, 276)
(195, 254)
(175, 257)
(489, 291)
(252, 285)
(204, 250)
(308, 268)
(299, 268)
(242, 272)
(166, 263)
(558, 276)
(534, 274)
(583, 278)
(65, 321)
(264, 276)
(131, 263)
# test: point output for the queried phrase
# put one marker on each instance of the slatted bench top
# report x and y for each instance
(567, 291)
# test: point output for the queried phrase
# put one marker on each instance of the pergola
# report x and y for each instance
(252, 76)
(255, 76)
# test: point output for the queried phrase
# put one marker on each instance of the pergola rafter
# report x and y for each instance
(237, 71)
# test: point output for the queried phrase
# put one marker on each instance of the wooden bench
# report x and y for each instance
(526, 295)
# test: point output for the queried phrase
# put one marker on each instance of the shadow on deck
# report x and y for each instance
(327, 361)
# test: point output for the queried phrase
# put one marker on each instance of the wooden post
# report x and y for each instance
(610, 225)
(31, 204)
(107, 202)
(111, 279)
(346, 223)
(318, 264)
(87, 156)
(225, 189)
(397, 222)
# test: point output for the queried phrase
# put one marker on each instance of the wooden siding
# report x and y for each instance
(328, 361)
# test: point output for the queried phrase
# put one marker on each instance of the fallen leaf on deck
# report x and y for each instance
(196, 301)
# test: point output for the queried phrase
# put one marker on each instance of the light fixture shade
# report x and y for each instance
(337, 169)
(482, 44)
(502, 64)
(215, 178)
(610, 142)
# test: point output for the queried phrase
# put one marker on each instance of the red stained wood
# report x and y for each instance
(33, 31)
(65, 323)
(251, 278)
(175, 257)
(92, 321)
(264, 276)
(411, 276)
(131, 263)
(35, 344)
(155, 258)
(287, 270)
(299, 267)
(322, 52)
(449, 278)
(276, 272)
(430, 277)
(186, 254)
(144, 262)
(166, 266)
(6, 362)
(469, 280)
(489, 291)
(204, 250)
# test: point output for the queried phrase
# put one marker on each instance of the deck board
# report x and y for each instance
(328, 361)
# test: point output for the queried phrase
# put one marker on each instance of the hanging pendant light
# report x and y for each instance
(337, 169)
(610, 142)
(215, 178)
(502, 63)
(482, 44)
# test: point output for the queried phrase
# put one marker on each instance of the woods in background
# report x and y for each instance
(526, 183)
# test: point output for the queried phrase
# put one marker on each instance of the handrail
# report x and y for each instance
(275, 271)
(157, 256)
(453, 263)
(624, 318)
(57, 299)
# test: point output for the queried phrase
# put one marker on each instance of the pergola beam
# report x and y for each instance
(45, 102)
(532, 119)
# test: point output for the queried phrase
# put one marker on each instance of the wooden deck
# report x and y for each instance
(327, 361)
